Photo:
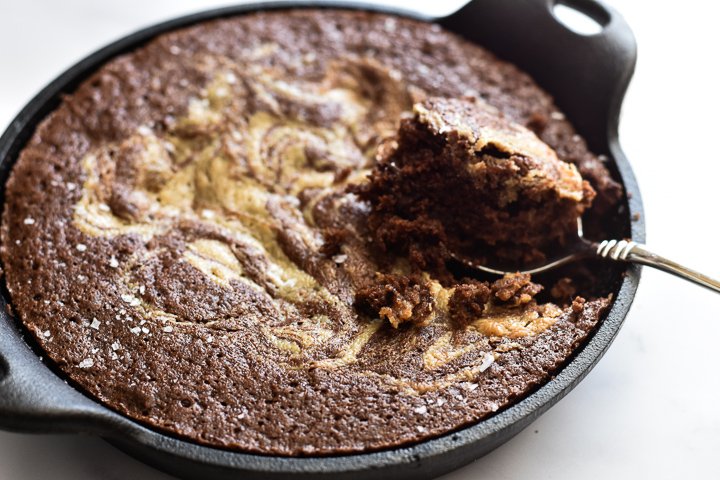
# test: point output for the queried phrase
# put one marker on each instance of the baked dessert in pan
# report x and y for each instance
(190, 238)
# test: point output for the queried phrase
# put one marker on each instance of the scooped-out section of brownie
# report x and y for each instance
(463, 177)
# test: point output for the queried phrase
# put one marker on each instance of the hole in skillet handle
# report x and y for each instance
(582, 17)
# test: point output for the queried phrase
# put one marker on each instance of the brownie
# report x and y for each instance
(464, 178)
(183, 239)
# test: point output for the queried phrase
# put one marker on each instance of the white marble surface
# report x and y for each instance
(650, 408)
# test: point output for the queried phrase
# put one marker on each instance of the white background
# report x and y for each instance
(651, 408)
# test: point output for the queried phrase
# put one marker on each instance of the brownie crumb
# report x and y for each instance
(398, 299)
(469, 301)
(515, 289)
(471, 298)
(578, 305)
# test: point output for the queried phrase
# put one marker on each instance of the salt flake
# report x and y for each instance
(487, 360)
(340, 258)
(130, 299)
(87, 363)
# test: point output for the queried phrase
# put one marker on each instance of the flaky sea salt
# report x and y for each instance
(95, 324)
(29, 221)
(130, 299)
(81, 247)
(87, 363)
(144, 130)
(167, 329)
(115, 346)
(46, 334)
(145, 330)
(487, 360)
(421, 410)
(113, 262)
(340, 258)
(135, 330)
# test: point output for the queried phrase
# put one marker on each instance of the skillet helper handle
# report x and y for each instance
(588, 74)
(635, 253)
(33, 399)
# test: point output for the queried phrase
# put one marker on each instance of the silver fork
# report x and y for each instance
(617, 250)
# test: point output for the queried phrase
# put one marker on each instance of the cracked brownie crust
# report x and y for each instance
(181, 238)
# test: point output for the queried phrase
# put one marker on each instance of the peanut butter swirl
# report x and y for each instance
(227, 184)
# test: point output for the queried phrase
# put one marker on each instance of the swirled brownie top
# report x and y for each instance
(187, 239)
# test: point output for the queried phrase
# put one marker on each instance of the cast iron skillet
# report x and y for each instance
(587, 75)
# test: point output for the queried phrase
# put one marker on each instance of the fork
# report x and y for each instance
(615, 250)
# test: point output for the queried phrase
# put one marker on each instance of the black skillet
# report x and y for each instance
(587, 75)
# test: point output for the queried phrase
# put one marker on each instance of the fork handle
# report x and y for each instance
(629, 251)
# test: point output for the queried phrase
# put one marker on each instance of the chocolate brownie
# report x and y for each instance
(182, 238)
(464, 178)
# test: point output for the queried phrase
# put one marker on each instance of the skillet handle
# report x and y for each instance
(34, 400)
(587, 74)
